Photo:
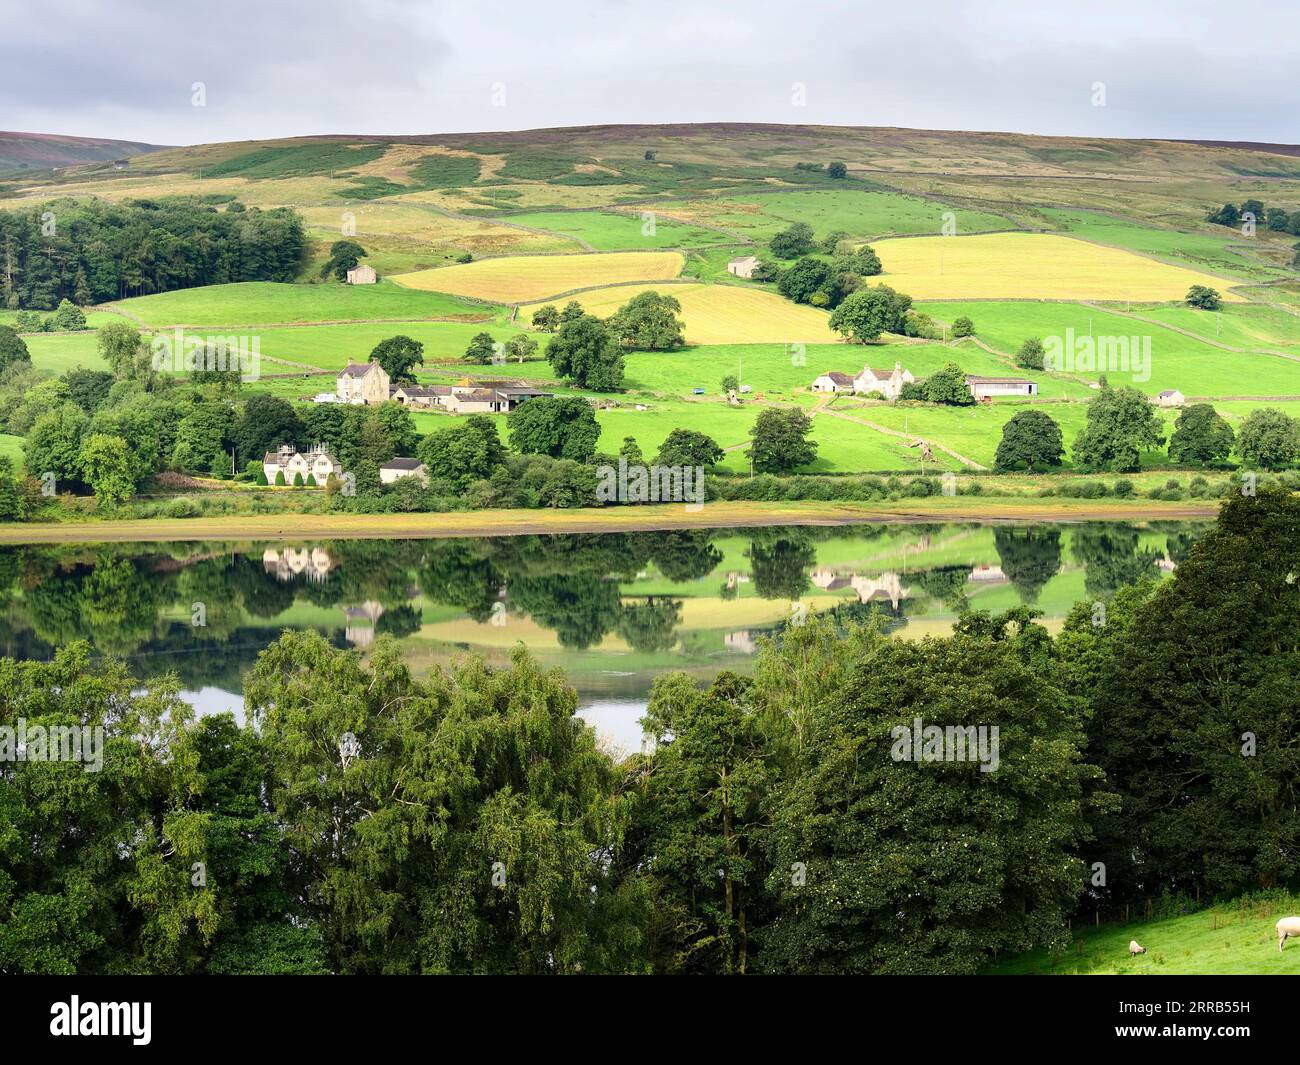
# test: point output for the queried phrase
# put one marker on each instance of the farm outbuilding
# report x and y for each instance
(743, 265)
(988, 387)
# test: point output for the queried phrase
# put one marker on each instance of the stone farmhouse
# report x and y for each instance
(984, 388)
(486, 397)
(396, 469)
(361, 275)
(889, 383)
(318, 463)
(1170, 397)
(743, 265)
(363, 382)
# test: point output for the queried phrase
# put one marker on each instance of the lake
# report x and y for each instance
(613, 610)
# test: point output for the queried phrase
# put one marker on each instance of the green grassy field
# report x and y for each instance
(259, 302)
(857, 212)
(1203, 251)
(614, 231)
(1235, 938)
(11, 447)
(1177, 361)
(1241, 325)
(57, 353)
(331, 346)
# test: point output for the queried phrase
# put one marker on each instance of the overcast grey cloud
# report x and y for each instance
(127, 68)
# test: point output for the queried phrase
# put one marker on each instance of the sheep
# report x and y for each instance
(1134, 947)
(1288, 926)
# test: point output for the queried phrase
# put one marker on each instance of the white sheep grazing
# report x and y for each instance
(1288, 926)
(1134, 947)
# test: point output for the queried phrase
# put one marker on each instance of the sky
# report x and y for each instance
(195, 71)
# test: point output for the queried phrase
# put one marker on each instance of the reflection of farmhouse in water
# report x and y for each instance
(315, 564)
(884, 586)
(363, 620)
(292, 562)
(888, 587)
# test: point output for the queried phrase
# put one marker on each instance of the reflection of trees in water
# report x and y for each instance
(779, 561)
(580, 608)
(651, 626)
(136, 599)
(1112, 557)
(946, 584)
(684, 556)
(1030, 557)
(400, 621)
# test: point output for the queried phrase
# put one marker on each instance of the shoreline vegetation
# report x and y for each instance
(638, 518)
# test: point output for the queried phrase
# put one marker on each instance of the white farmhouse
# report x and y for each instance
(361, 274)
(396, 469)
(889, 383)
(318, 463)
(1170, 397)
(833, 381)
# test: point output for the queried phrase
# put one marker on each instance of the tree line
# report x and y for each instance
(366, 821)
(92, 251)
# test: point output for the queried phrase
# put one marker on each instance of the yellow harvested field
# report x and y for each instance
(1018, 266)
(722, 314)
(534, 277)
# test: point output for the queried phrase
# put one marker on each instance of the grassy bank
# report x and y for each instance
(1235, 938)
(609, 519)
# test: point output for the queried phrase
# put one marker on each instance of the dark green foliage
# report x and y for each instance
(560, 426)
(648, 322)
(344, 256)
(460, 454)
(12, 348)
(792, 242)
(1201, 436)
(948, 386)
(481, 349)
(1121, 424)
(445, 171)
(110, 251)
(586, 352)
(880, 865)
(700, 817)
(1268, 439)
(686, 447)
(266, 423)
(779, 441)
(1204, 671)
(399, 356)
(868, 312)
(1031, 440)
(1031, 354)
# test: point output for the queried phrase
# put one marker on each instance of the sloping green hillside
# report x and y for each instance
(1234, 938)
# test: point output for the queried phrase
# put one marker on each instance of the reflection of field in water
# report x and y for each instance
(611, 611)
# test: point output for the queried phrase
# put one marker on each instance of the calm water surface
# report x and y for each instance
(613, 610)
